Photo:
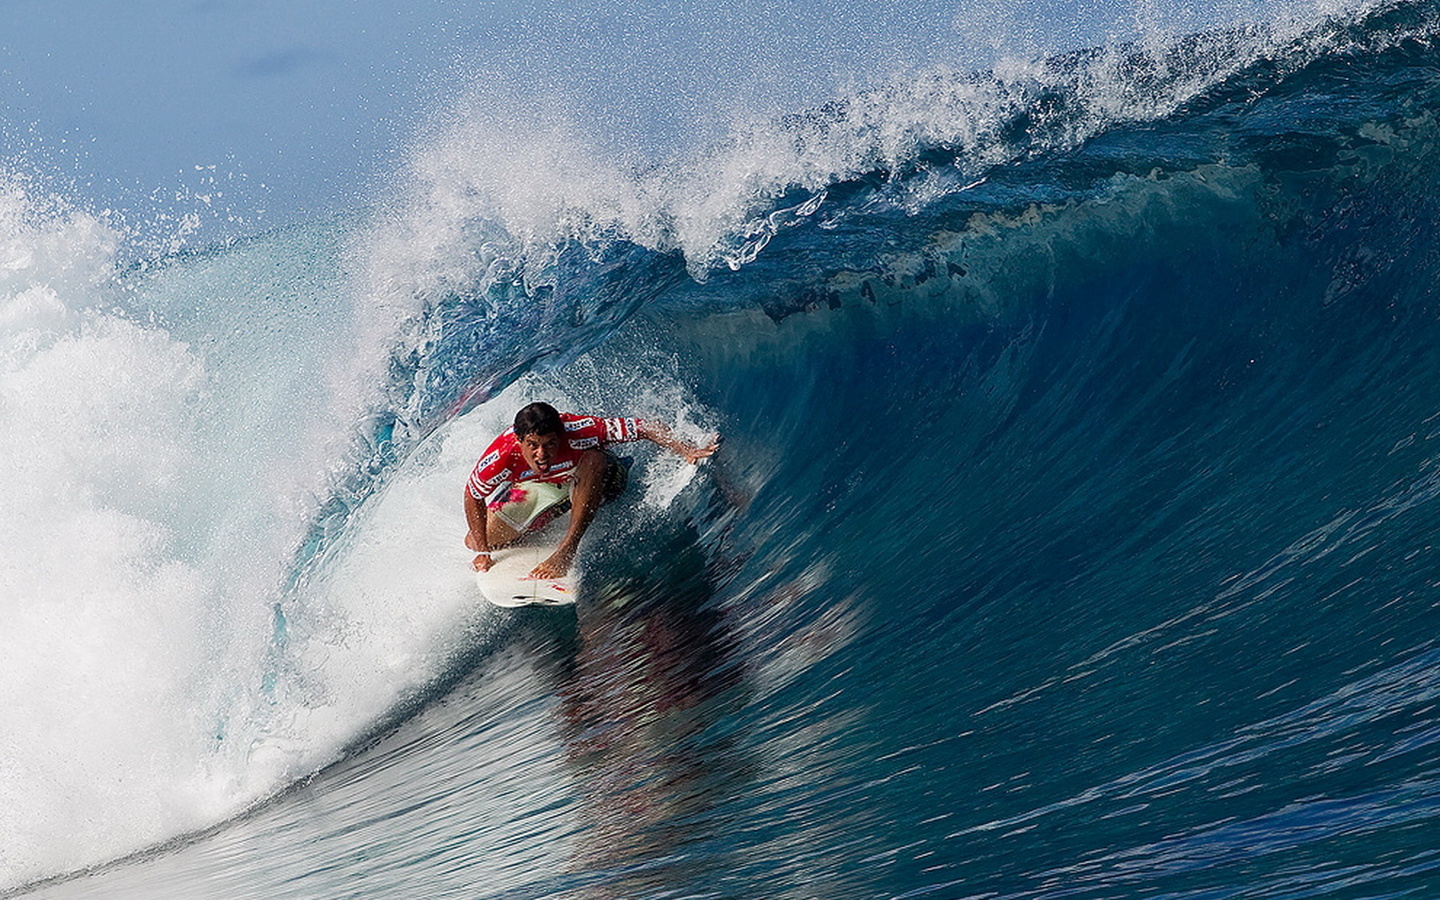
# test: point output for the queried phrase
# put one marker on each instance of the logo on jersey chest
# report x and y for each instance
(559, 467)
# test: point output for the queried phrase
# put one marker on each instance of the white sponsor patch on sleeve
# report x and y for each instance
(618, 430)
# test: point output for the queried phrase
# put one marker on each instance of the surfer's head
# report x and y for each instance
(538, 418)
(541, 434)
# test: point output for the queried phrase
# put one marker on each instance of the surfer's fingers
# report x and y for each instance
(707, 450)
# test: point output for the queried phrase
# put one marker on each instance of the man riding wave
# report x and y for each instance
(548, 460)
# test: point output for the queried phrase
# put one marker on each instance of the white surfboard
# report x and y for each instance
(508, 582)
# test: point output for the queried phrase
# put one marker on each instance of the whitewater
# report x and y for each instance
(1072, 534)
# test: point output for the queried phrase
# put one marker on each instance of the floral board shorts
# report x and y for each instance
(531, 505)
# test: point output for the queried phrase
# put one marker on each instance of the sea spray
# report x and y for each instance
(105, 633)
(201, 671)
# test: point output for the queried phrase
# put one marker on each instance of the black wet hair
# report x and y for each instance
(538, 418)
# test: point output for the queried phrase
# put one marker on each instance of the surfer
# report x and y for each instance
(547, 462)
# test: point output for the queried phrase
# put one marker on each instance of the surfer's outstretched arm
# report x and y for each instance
(659, 434)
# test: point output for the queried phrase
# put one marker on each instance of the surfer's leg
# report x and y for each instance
(498, 532)
(507, 515)
(617, 477)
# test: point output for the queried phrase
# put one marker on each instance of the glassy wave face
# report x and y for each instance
(1073, 533)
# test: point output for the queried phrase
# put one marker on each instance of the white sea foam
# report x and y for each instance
(502, 179)
(154, 491)
(153, 500)
(103, 620)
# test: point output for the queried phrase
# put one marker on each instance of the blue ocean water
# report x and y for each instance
(1072, 535)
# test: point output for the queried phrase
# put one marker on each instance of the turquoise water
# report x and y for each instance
(1071, 537)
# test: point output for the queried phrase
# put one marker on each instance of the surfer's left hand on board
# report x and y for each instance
(483, 558)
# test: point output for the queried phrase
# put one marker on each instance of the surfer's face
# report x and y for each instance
(540, 451)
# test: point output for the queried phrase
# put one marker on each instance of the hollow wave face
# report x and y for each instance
(1069, 535)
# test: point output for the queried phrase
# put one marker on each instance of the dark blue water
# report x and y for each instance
(1073, 533)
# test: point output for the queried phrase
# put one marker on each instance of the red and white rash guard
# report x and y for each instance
(503, 465)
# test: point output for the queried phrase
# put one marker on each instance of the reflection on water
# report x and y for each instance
(649, 743)
(655, 674)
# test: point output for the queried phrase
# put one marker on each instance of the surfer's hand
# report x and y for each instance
(695, 454)
(483, 559)
(660, 434)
